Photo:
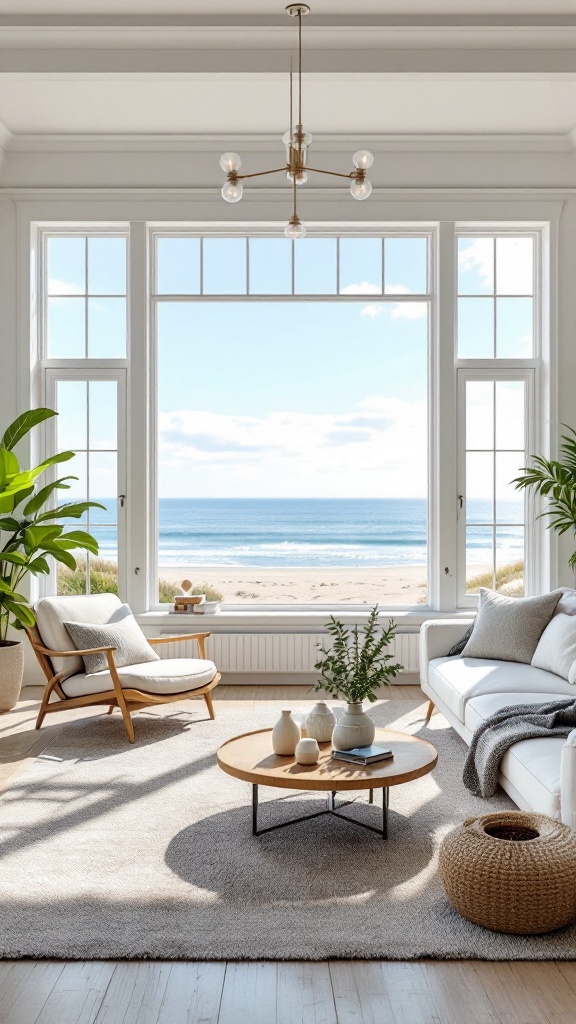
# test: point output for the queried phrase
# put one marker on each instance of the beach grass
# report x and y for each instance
(509, 580)
(104, 580)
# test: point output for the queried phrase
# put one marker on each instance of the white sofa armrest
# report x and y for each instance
(568, 781)
(437, 636)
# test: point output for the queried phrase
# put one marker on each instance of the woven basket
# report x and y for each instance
(511, 872)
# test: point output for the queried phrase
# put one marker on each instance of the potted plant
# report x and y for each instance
(555, 480)
(29, 532)
(352, 669)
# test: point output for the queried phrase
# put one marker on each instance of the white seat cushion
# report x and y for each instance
(171, 675)
(533, 767)
(478, 709)
(52, 612)
(456, 680)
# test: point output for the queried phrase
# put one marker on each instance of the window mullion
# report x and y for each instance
(443, 429)
(140, 478)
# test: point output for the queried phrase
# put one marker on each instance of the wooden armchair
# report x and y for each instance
(129, 688)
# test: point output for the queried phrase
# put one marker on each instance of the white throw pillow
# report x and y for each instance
(556, 650)
(131, 646)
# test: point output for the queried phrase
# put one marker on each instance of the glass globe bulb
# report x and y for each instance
(300, 180)
(290, 139)
(232, 192)
(230, 162)
(362, 159)
(361, 189)
(295, 230)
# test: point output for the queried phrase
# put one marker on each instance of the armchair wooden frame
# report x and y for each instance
(127, 699)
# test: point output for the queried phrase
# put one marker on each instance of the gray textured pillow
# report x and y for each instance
(131, 645)
(509, 628)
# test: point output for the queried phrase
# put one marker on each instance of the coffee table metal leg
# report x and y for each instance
(254, 809)
(385, 802)
(371, 797)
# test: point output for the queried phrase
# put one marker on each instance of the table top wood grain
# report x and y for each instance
(250, 757)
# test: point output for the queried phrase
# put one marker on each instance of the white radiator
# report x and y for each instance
(276, 652)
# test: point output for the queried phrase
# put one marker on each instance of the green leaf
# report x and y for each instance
(13, 495)
(22, 613)
(9, 525)
(4, 588)
(9, 467)
(74, 510)
(81, 539)
(41, 497)
(15, 557)
(39, 564)
(60, 555)
(23, 424)
(37, 536)
(54, 460)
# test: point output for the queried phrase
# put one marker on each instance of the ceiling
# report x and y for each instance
(270, 7)
(210, 67)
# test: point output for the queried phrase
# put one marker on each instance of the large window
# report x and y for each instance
(267, 419)
(292, 416)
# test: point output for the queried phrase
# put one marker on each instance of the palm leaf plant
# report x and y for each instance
(30, 530)
(357, 663)
(555, 480)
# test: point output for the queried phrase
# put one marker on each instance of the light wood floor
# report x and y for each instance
(338, 992)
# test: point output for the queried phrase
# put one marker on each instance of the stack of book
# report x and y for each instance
(363, 755)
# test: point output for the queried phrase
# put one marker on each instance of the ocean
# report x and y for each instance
(308, 532)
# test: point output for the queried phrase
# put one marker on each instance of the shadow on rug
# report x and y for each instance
(117, 851)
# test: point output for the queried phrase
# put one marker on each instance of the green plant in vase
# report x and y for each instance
(353, 668)
(30, 532)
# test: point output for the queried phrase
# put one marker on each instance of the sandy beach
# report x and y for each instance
(238, 584)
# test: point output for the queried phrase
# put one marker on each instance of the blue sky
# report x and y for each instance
(278, 399)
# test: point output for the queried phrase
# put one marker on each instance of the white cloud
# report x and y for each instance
(56, 287)
(514, 263)
(295, 454)
(371, 310)
(363, 288)
(406, 310)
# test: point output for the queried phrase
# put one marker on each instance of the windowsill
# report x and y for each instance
(241, 617)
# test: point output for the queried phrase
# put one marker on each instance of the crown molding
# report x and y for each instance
(270, 143)
(240, 34)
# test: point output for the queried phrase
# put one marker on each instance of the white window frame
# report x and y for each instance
(44, 217)
(87, 374)
(531, 371)
(528, 377)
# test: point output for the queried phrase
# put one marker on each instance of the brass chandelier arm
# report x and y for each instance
(260, 174)
(334, 174)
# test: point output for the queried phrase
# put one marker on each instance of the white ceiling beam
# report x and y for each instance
(532, 62)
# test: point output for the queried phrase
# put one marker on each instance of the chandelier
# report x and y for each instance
(297, 142)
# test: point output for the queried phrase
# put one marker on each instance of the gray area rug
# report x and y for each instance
(116, 851)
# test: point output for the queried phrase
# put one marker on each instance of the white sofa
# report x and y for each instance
(538, 774)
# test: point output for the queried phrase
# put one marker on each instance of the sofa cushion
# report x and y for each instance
(556, 651)
(533, 767)
(509, 628)
(478, 709)
(170, 675)
(131, 646)
(51, 612)
(457, 680)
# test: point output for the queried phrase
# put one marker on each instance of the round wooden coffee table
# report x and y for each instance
(250, 757)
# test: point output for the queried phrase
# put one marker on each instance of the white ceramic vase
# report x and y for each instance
(320, 722)
(307, 751)
(11, 672)
(285, 735)
(354, 728)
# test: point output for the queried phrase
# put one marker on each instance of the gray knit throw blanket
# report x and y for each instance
(518, 722)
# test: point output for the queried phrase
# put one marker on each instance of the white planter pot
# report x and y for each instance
(11, 672)
(307, 751)
(354, 728)
(285, 735)
(320, 723)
